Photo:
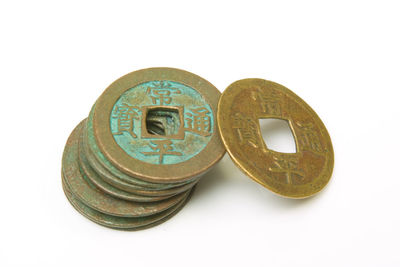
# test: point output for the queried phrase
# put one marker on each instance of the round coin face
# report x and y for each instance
(159, 125)
(294, 175)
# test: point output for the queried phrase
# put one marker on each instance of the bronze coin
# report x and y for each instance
(94, 177)
(124, 223)
(96, 199)
(96, 157)
(159, 125)
(120, 181)
(295, 175)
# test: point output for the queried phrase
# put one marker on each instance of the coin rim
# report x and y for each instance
(123, 181)
(171, 173)
(158, 218)
(224, 106)
(72, 174)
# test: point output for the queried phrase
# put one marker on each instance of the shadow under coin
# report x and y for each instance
(226, 175)
(216, 178)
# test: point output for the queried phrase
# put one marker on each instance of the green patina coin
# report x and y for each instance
(94, 177)
(148, 139)
(121, 180)
(158, 125)
(87, 193)
(123, 223)
(96, 156)
(162, 115)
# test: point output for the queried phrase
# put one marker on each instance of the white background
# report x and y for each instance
(341, 57)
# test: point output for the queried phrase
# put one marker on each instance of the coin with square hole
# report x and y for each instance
(159, 125)
(308, 166)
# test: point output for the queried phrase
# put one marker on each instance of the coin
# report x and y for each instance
(123, 223)
(147, 141)
(159, 125)
(121, 180)
(87, 193)
(97, 158)
(94, 177)
(294, 175)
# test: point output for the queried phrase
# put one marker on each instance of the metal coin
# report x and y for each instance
(120, 183)
(96, 199)
(107, 188)
(159, 125)
(123, 223)
(95, 156)
(294, 175)
(121, 180)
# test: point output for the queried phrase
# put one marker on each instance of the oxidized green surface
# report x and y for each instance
(124, 181)
(123, 223)
(158, 125)
(162, 115)
(117, 179)
(95, 178)
(94, 198)
(135, 161)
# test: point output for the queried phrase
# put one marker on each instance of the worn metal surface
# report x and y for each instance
(114, 176)
(120, 125)
(135, 161)
(95, 178)
(95, 156)
(123, 223)
(295, 175)
(122, 181)
(87, 193)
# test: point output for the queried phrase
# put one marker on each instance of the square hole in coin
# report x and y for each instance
(278, 135)
(163, 121)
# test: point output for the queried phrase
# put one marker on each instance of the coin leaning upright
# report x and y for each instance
(294, 175)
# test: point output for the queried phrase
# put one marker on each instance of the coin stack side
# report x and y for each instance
(170, 136)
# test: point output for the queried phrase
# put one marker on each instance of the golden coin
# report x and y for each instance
(294, 175)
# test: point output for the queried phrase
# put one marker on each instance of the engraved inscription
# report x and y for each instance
(288, 164)
(161, 148)
(247, 130)
(125, 115)
(198, 121)
(168, 122)
(308, 138)
(161, 92)
(269, 102)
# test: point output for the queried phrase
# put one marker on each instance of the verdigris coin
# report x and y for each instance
(123, 223)
(120, 180)
(95, 178)
(147, 141)
(159, 125)
(96, 199)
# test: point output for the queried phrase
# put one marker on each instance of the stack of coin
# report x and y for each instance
(135, 161)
